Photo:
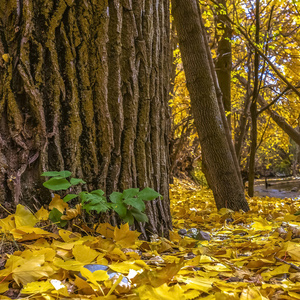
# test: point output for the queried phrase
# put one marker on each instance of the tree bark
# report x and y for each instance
(253, 106)
(224, 56)
(223, 176)
(85, 89)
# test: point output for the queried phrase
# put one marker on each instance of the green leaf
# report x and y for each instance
(55, 215)
(98, 207)
(115, 197)
(129, 218)
(297, 213)
(57, 183)
(63, 174)
(136, 202)
(63, 223)
(97, 192)
(69, 197)
(119, 208)
(75, 181)
(139, 216)
(148, 194)
(130, 193)
(94, 201)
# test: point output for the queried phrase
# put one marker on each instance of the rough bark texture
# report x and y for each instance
(85, 90)
(223, 176)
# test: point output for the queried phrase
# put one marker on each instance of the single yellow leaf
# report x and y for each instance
(72, 213)
(31, 270)
(23, 217)
(58, 203)
(163, 292)
(197, 283)
(37, 287)
(4, 286)
(251, 294)
(71, 265)
(80, 253)
(261, 224)
(8, 223)
(124, 267)
(42, 214)
(124, 237)
(106, 230)
(69, 236)
(100, 275)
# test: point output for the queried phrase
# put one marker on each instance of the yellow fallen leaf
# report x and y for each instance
(83, 286)
(48, 253)
(197, 283)
(72, 213)
(31, 270)
(224, 211)
(71, 265)
(42, 214)
(80, 253)
(30, 233)
(37, 287)
(23, 217)
(124, 267)
(252, 294)
(218, 267)
(294, 295)
(99, 275)
(60, 288)
(124, 237)
(69, 236)
(283, 269)
(8, 223)
(106, 230)
(226, 296)
(163, 292)
(58, 203)
(4, 286)
(261, 224)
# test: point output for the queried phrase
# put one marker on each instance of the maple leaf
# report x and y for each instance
(124, 237)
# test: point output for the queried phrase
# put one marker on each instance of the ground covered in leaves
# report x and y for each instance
(253, 255)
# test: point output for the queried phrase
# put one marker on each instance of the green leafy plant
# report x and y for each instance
(129, 205)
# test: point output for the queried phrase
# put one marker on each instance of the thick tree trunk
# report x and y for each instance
(85, 89)
(222, 174)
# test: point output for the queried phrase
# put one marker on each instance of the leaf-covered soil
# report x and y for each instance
(253, 255)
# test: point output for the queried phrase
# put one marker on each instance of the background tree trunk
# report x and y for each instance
(224, 56)
(223, 177)
(85, 89)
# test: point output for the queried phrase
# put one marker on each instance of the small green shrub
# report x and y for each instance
(129, 205)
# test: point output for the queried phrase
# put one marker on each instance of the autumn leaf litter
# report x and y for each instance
(254, 255)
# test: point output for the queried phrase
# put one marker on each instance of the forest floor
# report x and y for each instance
(254, 255)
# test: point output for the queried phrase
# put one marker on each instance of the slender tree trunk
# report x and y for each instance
(223, 176)
(224, 56)
(242, 129)
(253, 109)
(85, 89)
